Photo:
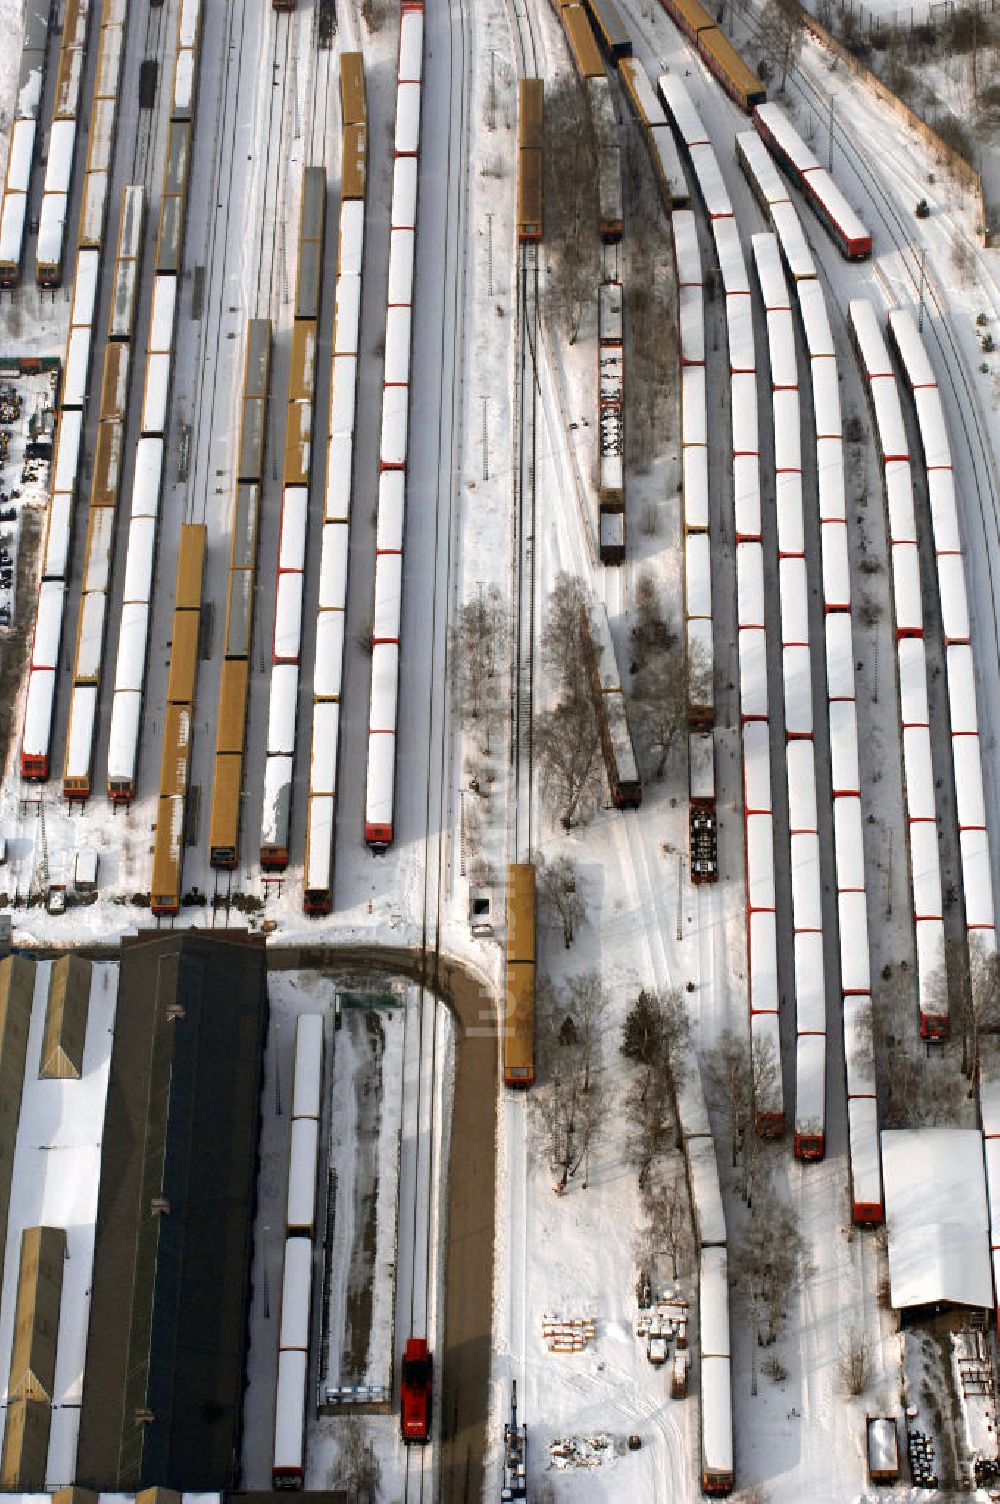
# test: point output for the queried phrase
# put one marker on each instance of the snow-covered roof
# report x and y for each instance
(925, 865)
(800, 763)
(711, 184)
(794, 591)
(22, 146)
(57, 537)
(746, 495)
(411, 41)
(826, 397)
(918, 773)
(796, 672)
(90, 636)
(161, 319)
(961, 689)
(695, 486)
(281, 710)
(691, 316)
(954, 600)
(347, 315)
(756, 766)
(38, 712)
(810, 983)
(787, 436)
(762, 954)
(899, 502)
(126, 710)
(786, 137)
(849, 843)
(906, 588)
(767, 259)
(288, 617)
(381, 777)
(760, 861)
(154, 402)
(296, 1288)
(717, 1415)
(388, 597)
(873, 351)
(807, 888)
(933, 428)
(968, 782)
(640, 86)
(794, 246)
(836, 566)
(404, 194)
(866, 1178)
(80, 733)
(746, 438)
(12, 228)
(713, 1294)
(753, 672)
(687, 254)
(292, 545)
(739, 323)
(788, 511)
(697, 575)
(667, 162)
(858, 1053)
(749, 585)
(839, 656)
(88, 265)
(678, 104)
(936, 1216)
(976, 879)
(855, 970)
(333, 567)
(407, 118)
(906, 336)
(277, 798)
(384, 686)
(400, 266)
(77, 360)
(694, 423)
(706, 1195)
(781, 347)
(139, 559)
(892, 438)
(323, 749)
(810, 1083)
(912, 681)
(822, 186)
(760, 168)
(329, 659)
(815, 319)
(395, 413)
(146, 480)
(844, 769)
(319, 840)
(830, 480)
(729, 251)
(944, 513)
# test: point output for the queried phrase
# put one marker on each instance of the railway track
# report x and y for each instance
(284, 26)
(157, 35)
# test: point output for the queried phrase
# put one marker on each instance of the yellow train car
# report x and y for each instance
(114, 380)
(531, 114)
(190, 567)
(168, 841)
(354, 161)
(175, 756)
(690, 16)
(107, 463)
(227, 792)
(582, 42)
(353, 106)
(183, 670)
(518, 1021)
(298, 443)
(739, 81)
(302, 373)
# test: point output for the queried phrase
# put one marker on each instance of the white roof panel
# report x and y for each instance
(717, 1415)
(694, 464)
(329, 662)
(830, 479)
(59, 168)
(706, 1196)
(90, 637)
(849, 843)
(48, 624)
(38, 712)
(388, 597)
(282, 709)
(760, 167)
(836, 566)
(800, 768)
(944, 512)
(797, 675)
(807, 889)
(697, 575)
(753, 673)
(294, 519)
(97, 561)
(962, 689)
(323, 749)
(139, 560)
(767, 260)
(51, 230)
(288, 617)
(381, 779)
(768, 1095)
(347, 315)
(713, 1298)
(188, 23)
(919, 774)
(391, 505)
(277, 800)
(146, 482)
(760, 862)
(302, 1173)
(404, 194)
(892, 439)
(906, 589)
(161, 321)
(810, 1084)
(925, 867)
(67, 451)
(21, 152)
(407, 117)
(968, 782)
(787, 437)
(12, 228)
(730, 254)
(749, 585)
(395, 414)
(976, 879)
(343, 393)
(397, 346)
(679, 106)
(845, 777)
(762, 958)
(296, 1289)
(912, 681)
(401, 266)
(866, 1177)
(80, 733)
(712, 188)
(321, 818)
(154, 402)
(756, 767)
(57, 537)
(794, 592)
(687, 255)
(746, 438)
(351, 241)
(794, 246)
(910, 344)
(899, 502)
(691, 312)
(77, 363)
(937, 1218)
(746, 495)
(339, 467)
(88, 265)
(810, 983)
(954, 600)
(130, 667)
(869, 339)
(855, 969)
(123, 737)
(333, 567)
(839, 656)
(694, 422)
(384, 687)
(411, 45)
(788, 510)
(781, 345)
(858, 1050)
(786, 138)
(826, 397)
(815, 320)
(822, 186)
(933, 428)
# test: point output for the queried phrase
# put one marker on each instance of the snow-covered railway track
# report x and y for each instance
(284, 27)
(145, 162)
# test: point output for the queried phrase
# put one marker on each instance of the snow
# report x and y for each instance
(936, 1215)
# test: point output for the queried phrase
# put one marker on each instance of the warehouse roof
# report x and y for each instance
(935, 1210)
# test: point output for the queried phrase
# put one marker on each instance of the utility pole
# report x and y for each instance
(920, 315)
(830, 154)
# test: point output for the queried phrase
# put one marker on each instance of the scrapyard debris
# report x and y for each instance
(580, 1451)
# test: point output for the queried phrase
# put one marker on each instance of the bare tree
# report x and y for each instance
(745, 1079)
(568, 747)
(480, 647)
(559, 893)
(771, 1263)
(669, 1220)
(587, 1003)
(660, 692)
(978, 1001)
(650, 1124)
(358, 1470)
(570, 204)
(784, 34)
(563, 647)
(570, 1112)
(649, 632)
(855, 1362)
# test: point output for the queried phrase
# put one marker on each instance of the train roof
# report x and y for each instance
(762, 955)
(810, 980)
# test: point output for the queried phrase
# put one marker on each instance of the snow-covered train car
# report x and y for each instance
(687, 255)
(759, 170)
(760, 862)
(706, 1195)
(746, 497)
(794, 594)
(810, 983)
(807, 889)
(743, 388)
(680, 109)
(824, 197)
(855, 969)
(756, 768)
(800, 770)
(753, 674)
(729, 254)
(303, 1161)
(906, 592)
(710, 182)
(810, 1096)
(762, 962)
(836, 567)
(380, 789)
(789, 514)
(296, 1291)
(716, 1426)
(307, 1088)
(865, 1161)
(288, 1460)
(768, 1106)
(797, 256)
(770, 274)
